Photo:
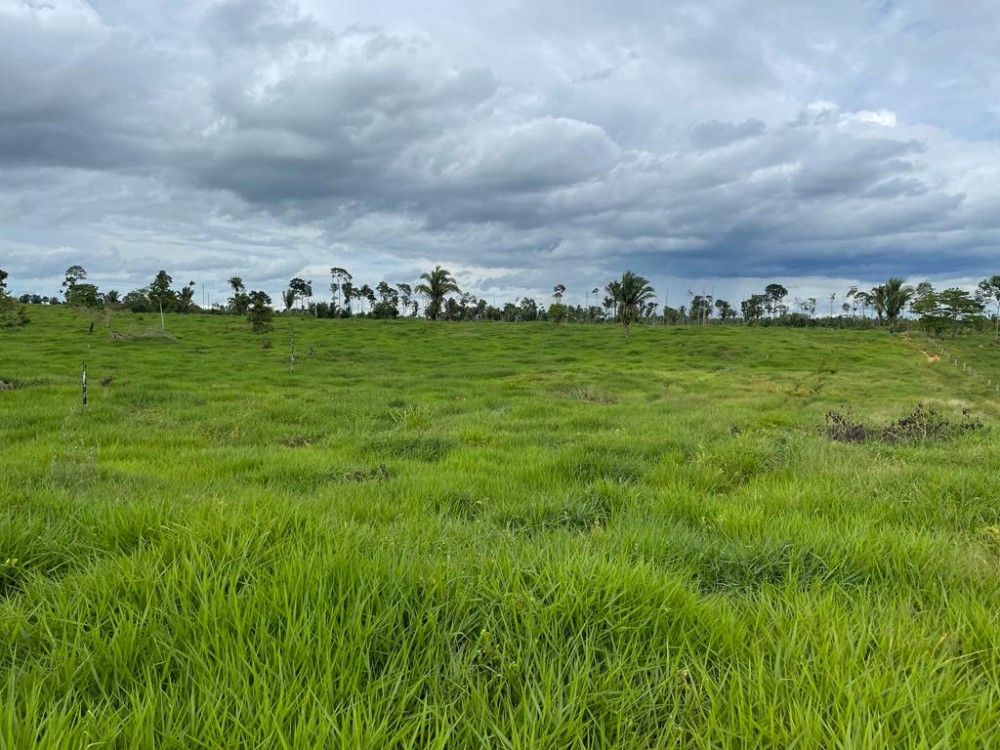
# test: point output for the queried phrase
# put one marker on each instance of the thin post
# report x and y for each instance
(291, 360)
(83, 386)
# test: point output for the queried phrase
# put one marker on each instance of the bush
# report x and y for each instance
(12, 313)
(919, 426)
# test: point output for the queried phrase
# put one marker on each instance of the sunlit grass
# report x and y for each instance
(505, 536)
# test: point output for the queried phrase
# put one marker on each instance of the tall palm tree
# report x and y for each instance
(612, 299)
(890, 298)
(435, 286)
(878, 298)
(630, 294)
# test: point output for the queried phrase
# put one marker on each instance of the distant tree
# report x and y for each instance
(84, 295)
(453, 309)
(466, 309)
(303, 290)
(388, 303)
(922, 292)
(558, 312)
(240, 300)
(405, 295)
(340, 277)
(865, 300)
(890, 299)
(775, 294)
(558, 291)
(138, 301)
(989, 292)
(701, 308)
(852, 293)
(12, 313)
(629, 294)
(877, 295)
(648, 310)
(754, 307)
(161, 295)
(112, 298)
(960, 307)
(367, 294)
(608, 303)
(74, 275)
(77, 293)
(671, 315)
(726, 311)
(527, 309)
(435, 286)
(348, 291)
(298, 289)
(259, 312)
(185, 299)
(924, 305)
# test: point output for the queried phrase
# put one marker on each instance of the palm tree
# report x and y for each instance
(890, 299)
(611, 300)
(629, 294)
(438, 283)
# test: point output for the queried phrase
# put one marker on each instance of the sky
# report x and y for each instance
(712, 146)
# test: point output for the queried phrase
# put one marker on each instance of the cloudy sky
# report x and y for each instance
(712, 145)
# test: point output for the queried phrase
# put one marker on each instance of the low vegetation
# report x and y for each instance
(537, 536)
(918, 426)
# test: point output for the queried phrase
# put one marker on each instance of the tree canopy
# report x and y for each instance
(629, 294)
(436, 285)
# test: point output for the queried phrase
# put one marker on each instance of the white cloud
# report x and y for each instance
(882, 117)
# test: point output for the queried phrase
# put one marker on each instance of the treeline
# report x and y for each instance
(628, 300)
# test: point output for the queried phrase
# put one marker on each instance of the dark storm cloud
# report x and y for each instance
(554, 140)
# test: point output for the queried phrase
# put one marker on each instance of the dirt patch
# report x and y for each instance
(931, 358)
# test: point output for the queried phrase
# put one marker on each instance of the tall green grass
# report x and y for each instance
(503, 536)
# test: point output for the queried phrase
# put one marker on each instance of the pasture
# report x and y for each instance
(436, 535)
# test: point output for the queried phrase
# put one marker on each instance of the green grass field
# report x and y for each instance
(488, 535)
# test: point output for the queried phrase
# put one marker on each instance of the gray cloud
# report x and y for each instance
(523, 144)
(715, 134)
